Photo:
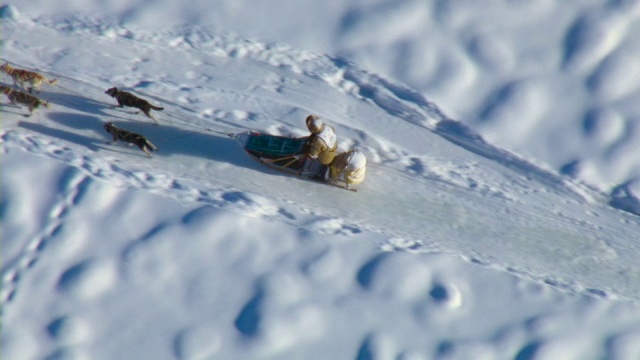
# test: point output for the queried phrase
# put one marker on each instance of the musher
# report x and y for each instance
(348, 168)
(322, 144)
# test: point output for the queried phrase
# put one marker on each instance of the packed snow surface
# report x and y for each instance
(452, 248)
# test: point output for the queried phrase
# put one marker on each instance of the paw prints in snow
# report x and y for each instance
(332, 226)
(250, 204)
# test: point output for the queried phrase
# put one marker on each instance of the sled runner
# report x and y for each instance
(283, 153)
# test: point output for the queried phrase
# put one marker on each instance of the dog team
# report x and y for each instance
(31, 81)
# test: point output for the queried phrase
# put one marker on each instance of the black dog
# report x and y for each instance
(129, 137)
(128, 99)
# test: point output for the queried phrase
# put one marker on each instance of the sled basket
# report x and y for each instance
(281, 152)
(273, 147)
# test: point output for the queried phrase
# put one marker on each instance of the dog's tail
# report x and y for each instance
(156, 107)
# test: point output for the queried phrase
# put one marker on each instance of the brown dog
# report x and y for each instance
(128, 99)
(18, 97)
(21, 77)
(130, 138)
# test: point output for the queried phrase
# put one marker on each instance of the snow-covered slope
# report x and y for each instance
(553, 81)
(200, 217)
(432, 177)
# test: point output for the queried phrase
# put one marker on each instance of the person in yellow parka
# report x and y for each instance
(322, 143)
(348, 168)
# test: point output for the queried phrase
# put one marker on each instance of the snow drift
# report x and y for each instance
(433, 186)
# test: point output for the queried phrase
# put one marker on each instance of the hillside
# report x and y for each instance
(433, 186)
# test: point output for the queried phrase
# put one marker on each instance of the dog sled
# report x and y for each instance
(285, 154)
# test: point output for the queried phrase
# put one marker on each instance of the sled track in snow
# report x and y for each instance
(437, 187)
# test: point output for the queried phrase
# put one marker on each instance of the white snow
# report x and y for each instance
(454, 247)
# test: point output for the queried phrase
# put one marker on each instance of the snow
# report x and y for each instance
(456, 246)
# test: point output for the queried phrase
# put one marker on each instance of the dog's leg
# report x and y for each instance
(146, 150)
(148, 113)
(151, 146)
(36, 85)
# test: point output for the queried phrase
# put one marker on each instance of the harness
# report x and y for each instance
(328, 136)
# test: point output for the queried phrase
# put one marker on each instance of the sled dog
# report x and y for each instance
(128, 99)
(21, 77)
(19, 97)
(130, 138)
